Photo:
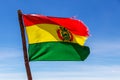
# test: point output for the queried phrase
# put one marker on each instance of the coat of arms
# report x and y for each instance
(64, 34)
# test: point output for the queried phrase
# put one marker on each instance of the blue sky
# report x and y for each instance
(103, 20)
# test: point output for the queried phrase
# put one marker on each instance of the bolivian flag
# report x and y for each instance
(55, 38)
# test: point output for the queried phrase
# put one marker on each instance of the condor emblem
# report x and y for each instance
(64, 34)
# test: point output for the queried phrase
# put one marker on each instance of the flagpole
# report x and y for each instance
(28, 71)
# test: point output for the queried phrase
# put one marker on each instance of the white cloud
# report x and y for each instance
(77, 78)
(87, 72)
(6, 53)
(105, 46)
(13, 76)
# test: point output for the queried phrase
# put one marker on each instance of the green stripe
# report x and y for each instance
(57, 51)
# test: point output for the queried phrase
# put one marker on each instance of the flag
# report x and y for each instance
(55, 38)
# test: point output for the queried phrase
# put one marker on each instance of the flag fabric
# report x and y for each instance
(55, 38)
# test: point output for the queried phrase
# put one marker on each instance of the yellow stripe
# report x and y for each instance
(48, 32)
(79, 39)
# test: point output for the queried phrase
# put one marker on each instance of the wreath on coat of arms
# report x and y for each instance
(64, 34)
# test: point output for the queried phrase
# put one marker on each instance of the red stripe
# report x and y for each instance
(74, 26)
